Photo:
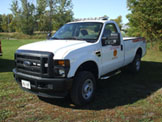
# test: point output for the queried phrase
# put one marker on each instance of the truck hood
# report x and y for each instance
(55, 45)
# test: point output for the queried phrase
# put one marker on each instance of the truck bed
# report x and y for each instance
(131, 45)
(132, 38)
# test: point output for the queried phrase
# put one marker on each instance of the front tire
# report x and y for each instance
(83, 90)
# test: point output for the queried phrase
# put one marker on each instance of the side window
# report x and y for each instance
(110, 35)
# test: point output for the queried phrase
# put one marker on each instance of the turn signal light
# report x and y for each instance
(61, 63)
(64, 63)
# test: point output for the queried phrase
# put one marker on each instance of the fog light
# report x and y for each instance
(46, 65)
(62, 72)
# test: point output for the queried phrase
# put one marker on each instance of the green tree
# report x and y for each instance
(24, 19)
(64, 13)
(145, 19)
(10, 23)
(27, 17)
(1, 23)
(16, 15)
(6, 21)
(43, 23)
(41, 17)
(60, 12)
(15, 8)
(52, 6)
(118, 20)
(48, 15)
(41, 7)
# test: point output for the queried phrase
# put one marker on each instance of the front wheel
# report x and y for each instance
(83, 90)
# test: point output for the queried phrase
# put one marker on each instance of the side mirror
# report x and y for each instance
(49, 35)
(112, 39)
(114, 36)
(104, 38)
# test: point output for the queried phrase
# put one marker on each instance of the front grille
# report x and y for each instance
(34, 63)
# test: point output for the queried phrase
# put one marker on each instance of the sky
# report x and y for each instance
(87, 8)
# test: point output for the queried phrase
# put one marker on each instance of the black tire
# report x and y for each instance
(83, 90)
(135, 66)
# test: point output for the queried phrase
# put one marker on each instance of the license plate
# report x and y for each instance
(26, 84)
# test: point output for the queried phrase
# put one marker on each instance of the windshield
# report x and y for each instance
(88, 31)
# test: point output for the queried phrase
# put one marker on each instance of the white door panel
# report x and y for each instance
(112, 58)
(112, 54)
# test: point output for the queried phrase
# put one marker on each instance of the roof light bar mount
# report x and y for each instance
(96, 18)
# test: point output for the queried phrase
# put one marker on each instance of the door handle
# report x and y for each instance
(121, 47)
(98, 53)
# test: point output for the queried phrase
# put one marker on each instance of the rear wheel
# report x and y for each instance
(135, 66)
(83, 90)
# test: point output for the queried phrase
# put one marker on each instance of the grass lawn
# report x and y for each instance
(124, 97)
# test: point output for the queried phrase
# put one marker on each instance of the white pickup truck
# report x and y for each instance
(74, 58)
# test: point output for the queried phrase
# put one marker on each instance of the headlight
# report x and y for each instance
(61, 68)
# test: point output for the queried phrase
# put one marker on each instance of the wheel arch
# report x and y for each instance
(90, 66)
(139, 52)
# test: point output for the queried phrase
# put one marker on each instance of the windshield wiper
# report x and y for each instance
(71, 38)
(74, 38)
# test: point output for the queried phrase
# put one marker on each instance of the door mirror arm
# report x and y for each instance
(103, 39)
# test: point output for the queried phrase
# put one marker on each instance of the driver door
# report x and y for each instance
(112, 52)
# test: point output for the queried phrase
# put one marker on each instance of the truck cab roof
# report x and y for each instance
(100, 19)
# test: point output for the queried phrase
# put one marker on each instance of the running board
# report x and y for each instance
(108, 76)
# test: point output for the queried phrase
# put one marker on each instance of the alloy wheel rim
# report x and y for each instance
(87, 89)
(138, 64)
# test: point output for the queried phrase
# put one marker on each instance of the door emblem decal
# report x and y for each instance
(115, 53)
